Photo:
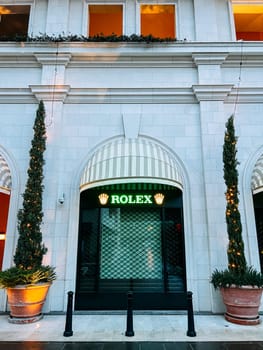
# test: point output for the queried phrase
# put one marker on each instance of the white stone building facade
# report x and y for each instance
(127, 113)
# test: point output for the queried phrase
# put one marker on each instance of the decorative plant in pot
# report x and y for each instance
(27, 282)
(240, 284)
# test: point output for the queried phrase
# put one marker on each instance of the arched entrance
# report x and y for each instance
(131, 234)
(5, 191)
(257, 189)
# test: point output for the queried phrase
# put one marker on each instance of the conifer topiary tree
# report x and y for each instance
(30, 249)
(236, 255)
(238, 272)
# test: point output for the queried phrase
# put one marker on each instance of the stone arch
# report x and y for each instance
(162, 166)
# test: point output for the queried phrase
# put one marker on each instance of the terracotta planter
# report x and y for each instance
(242, 304)
(26, 302)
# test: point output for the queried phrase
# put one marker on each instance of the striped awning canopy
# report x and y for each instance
(257, 176)
(5, 176)
(131, 160)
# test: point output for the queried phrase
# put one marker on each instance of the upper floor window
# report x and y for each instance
(158, 20)
(14, 20)
(248, 21)
(105, 20)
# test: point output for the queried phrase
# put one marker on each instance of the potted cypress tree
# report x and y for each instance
(240, 284)
(27, 282)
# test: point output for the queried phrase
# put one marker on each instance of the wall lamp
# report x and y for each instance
(61, 199)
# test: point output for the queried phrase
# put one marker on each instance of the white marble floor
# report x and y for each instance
(105, 327)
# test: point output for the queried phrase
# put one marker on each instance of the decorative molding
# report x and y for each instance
(16, 95)
(123, 54)
(248, 60)
(50, 92)
(18, 61)
(51, 58)
(209, 58)
(245, 95)
(131, 60)
(212, 92)
(131, 95)
(131, 124)
(64, 93)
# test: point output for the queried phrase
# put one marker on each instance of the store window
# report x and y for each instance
(105, 20)
(258, 208)
(248, 21)
(4, 204)
(14, 20)
(158, 20)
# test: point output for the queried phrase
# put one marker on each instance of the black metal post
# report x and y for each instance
(129, 330)
(68, 326)
(190, 315)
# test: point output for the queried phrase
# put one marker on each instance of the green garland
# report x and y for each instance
(81, 38)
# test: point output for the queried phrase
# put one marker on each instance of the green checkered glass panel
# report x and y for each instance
(130, 244)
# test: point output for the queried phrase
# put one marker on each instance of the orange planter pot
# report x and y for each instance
(26, 302)
(242, 304)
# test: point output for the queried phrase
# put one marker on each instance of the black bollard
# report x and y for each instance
(68, 326)
(190, 315)
(129, 330)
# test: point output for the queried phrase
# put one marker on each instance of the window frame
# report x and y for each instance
(157, 2)
(232, 17)
(30, 3)
(85, 28)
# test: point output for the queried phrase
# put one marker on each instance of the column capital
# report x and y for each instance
(50, 92)
(212, 92)
(53, 58)
(209, 58)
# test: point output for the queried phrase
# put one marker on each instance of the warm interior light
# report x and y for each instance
(105, 20)
(2, 236)
(248, 21)
(103, 198)
(158, 20)
(4, 10)
(159, 197)
(246, 9)
(157, 9)
(14, 9)
(14, 19)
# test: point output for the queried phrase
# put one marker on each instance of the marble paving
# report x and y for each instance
(147, 328)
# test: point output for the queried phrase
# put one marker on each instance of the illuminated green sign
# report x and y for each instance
(131, 199)
(123, 199)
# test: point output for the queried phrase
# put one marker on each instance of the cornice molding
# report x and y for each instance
(245, 95)
(131, 95)
(35, 54)
(65, 94)
(131, 60)
(18, 61)
(248, 60)
(16, 95)
(50, 92)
